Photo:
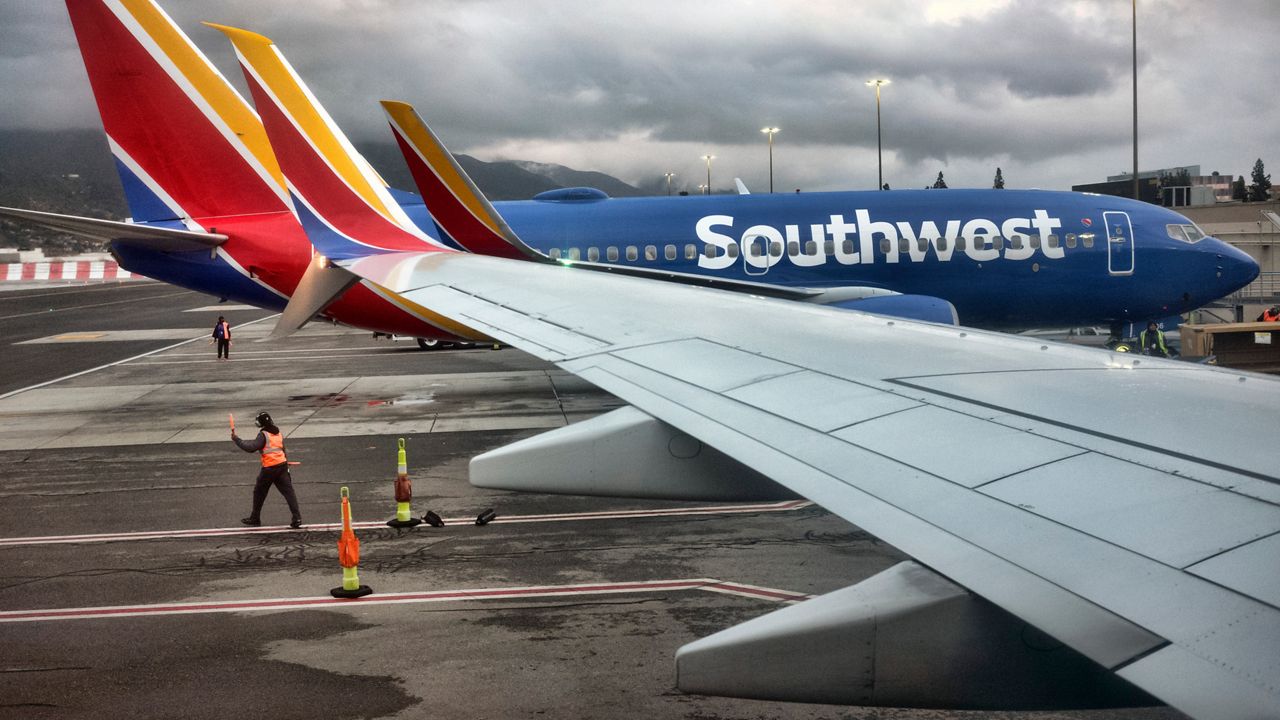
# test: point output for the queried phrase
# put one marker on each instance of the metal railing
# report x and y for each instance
(1266, 289)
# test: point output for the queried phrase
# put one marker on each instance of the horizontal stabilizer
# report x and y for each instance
(906, 637)
(321, 285)
(147, 236)
(908, 307)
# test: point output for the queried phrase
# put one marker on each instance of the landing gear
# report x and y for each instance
(429, 344)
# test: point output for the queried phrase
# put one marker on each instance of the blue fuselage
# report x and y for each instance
(1003, 258)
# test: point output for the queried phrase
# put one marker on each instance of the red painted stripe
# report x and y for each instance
(708, 584)
(379, 524)
(154, 121)
(329, 194)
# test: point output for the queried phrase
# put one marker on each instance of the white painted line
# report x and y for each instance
(11, 393)
(468, 595)
(222, 308)
(379, 524)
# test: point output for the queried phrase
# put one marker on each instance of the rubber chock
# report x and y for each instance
(411, 522)
(346, 594)
(484, 517)
(433, 519)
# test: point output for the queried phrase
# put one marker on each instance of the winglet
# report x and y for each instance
(459, 208)
(342, 204)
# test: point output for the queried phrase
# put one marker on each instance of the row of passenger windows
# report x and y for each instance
(671, 252)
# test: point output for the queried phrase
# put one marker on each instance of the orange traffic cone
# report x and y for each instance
(404, 493)
(349, 556)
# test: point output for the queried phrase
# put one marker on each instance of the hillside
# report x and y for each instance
(73, 172)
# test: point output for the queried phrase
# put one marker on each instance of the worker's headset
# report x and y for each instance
(263, 420)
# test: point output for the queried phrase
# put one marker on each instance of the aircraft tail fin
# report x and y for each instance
(186, 145)
(342, 204)
(460, 210)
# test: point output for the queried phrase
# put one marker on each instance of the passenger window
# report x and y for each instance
(733, 250)
(575, 254)
(632, 253)
(650, 253)
(995, 242)
(793, 249)
(1035, 242)
(904, 246)
(847, 247)
(593, 254)
(670, 252)
(710, 251)
(942, 244)
(1071, 240)
(611, 254)
(1015, 242)
(828, 247)
(885, 246)
(554, 253)
(1053, 243)
(1087, 239)
(922, 244)
(810, 248)
(961, 243)
(775, 249)
(691, 251)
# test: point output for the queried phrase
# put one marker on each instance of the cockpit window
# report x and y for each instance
(1186, 233)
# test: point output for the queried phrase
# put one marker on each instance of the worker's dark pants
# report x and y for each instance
(224, 348)
(277, 475)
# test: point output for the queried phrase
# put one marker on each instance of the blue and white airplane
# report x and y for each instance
(211, 212)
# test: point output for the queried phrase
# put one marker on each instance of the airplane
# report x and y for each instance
(1065, 554)
(210, 212)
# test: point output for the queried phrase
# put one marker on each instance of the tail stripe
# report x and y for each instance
(146, 184)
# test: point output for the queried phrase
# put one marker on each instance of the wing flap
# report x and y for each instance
(146, 236)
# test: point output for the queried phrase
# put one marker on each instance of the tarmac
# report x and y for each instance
(128, 588)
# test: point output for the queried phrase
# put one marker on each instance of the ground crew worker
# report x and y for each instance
(222, 336)
(1152, 341)
(275, 469)
(1271, 314)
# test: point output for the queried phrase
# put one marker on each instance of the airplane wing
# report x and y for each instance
(148, 236)
(1039, 476)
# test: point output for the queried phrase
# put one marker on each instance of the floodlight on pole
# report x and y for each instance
(877, 82)
(669, 176)
(770, 131)
(708, 158)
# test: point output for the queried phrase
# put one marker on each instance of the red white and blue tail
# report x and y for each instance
(342, 204)
(186, 145)
(460, 210)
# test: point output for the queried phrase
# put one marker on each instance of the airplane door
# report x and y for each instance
(1119, 243)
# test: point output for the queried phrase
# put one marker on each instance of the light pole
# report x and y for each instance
(708, 158)
(877, 82)
(669, 176)
(770, 131)
(1135, 100)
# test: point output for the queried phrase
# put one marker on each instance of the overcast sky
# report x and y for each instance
(636, 89)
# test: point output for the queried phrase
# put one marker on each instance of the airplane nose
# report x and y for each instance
(1235, 267)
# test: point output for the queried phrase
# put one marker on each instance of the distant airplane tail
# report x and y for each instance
(186, 145)
(460, 210)
(343, 205)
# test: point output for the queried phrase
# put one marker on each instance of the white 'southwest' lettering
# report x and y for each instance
(861, 241)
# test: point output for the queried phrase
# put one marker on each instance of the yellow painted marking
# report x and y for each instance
(226, 102)
(80, 336)
(439, 160)
(258, 51)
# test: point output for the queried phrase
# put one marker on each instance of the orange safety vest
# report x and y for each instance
(273, 451)
(1269, 316)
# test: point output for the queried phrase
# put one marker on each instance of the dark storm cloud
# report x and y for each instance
(1041, 86)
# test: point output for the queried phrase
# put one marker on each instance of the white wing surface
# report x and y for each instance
(1129, 507)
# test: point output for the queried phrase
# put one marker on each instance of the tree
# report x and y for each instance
(998, 183)
(939, 184)
(1261, 187)
(1181, 178)
(1238, 189)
